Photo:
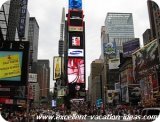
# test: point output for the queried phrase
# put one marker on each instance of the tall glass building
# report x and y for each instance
(119, 27)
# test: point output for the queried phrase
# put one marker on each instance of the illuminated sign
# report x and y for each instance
(109, 48)
(75, 52)
(76, 40)
(32, 77)
(57, 67)
(10, 65)
(14, 62)
(75, 4)
(130, 46)
(75, 70)
(54, 103)
(75, 28)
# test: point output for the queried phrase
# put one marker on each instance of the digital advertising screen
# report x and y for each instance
(75, 53)
(75, 4)
(10, 65)
(76, 40)
(14, 58)
(75, 70)
(57, 67)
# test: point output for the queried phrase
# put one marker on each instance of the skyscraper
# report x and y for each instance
(43, 72)
(33, 36)
(119, 27)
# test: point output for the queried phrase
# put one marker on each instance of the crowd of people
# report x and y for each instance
(80, 108)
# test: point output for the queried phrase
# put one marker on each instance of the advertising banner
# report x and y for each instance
(54, 103)
(125, 96)
(22, 19)
(14, 62)
(10, 66)
(57, 68)
(75, 53)
(117, 86)
(114, 63)
(145, 59)
(32, 78)
(110, 95)
(109, 48)
(75, 28)
(75, 70)
(130, 46)
(61, 92)
(76, 40)
(134, 93)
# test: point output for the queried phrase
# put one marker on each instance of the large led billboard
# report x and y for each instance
(76, 40)
(14, 62)
(57, 70)
(75, 70)
(75, 4)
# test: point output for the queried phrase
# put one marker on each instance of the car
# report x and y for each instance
(150, 114)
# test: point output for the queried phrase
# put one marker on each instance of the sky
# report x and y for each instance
(48, 14)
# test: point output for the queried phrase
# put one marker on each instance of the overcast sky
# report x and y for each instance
(48, 14)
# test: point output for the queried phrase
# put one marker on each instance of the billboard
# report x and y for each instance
(75, 70)
(76, 40)
(145, 59)
(124, 93)
(54, 103)
(75, 4)
(130, 46)
(57, 68)
(114, 63)
(14, 62)
(134, 92)
(109, 48)
(22, 18)
(75, 52)
(32, 78)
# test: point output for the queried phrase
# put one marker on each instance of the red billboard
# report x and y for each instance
(75, 70)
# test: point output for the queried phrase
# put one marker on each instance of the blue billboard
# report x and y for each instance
(130, 46)
(22, 19)
(75, 4)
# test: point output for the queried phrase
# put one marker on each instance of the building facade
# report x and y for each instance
(10, 20)
(43, 74)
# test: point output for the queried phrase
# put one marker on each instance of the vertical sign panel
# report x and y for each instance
(57, 68)
(75, 70)
(22, 19)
